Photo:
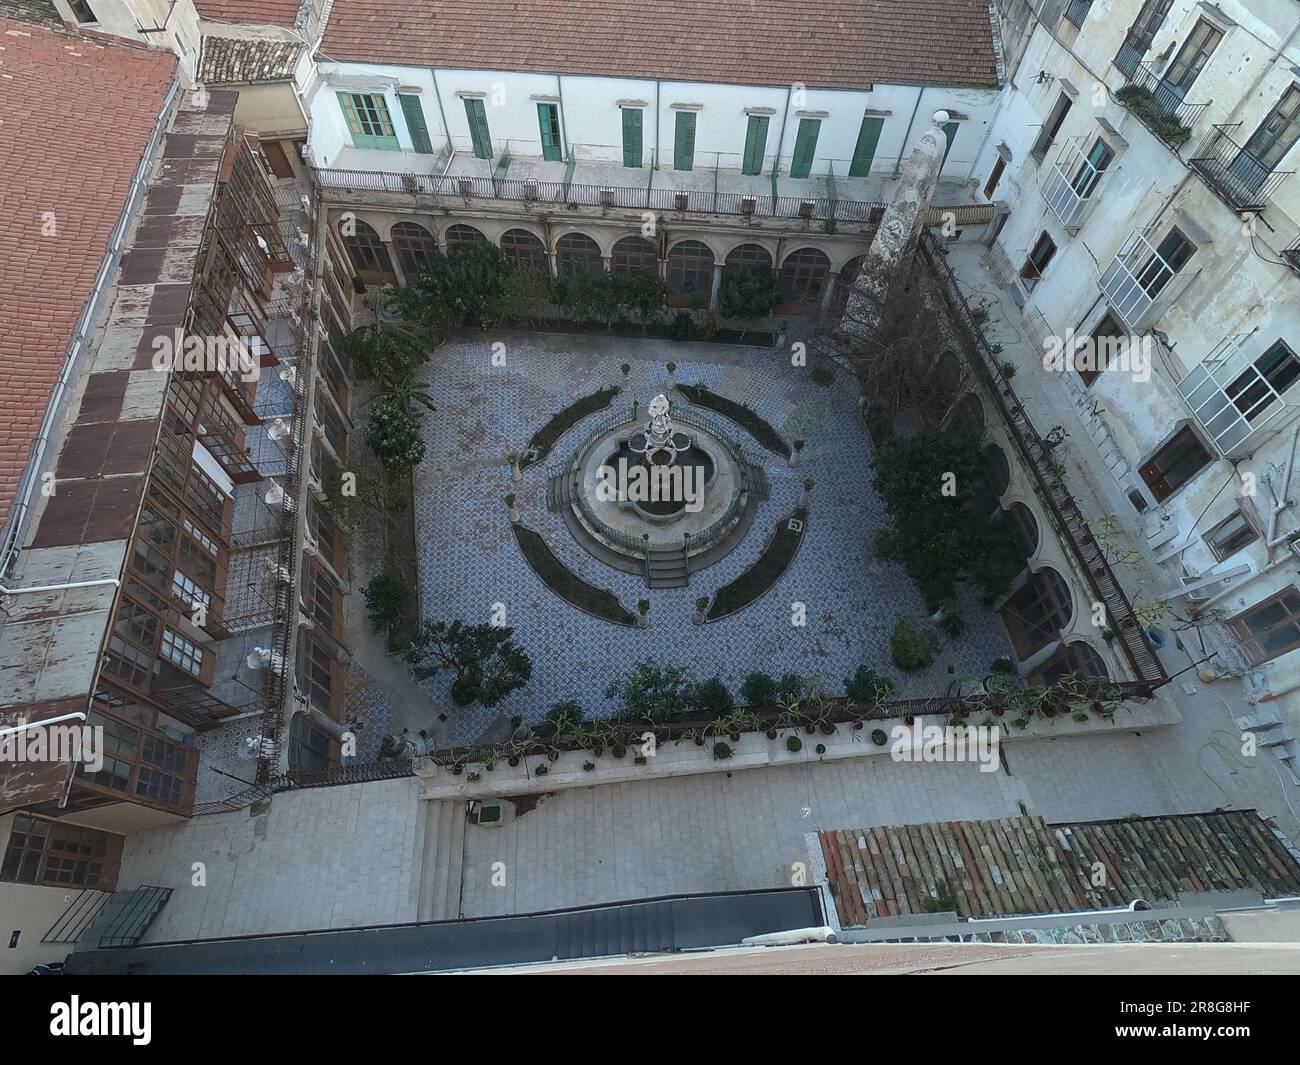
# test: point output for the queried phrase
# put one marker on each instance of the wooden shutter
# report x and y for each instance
(805, 147)
(864, 152)
(755, 144)
(548, 121)
(350, 114)
(949, 132)
(632, 155)
(415, 123)
(479, 134)
(684, 141)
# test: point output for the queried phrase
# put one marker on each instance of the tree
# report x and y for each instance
(650, 693)
(393, 433)
(749, 293)
(463, 288)
(524, 293)
(645, 295)
(387, 352)
(709, 698)
(488, 664)
(591, 297)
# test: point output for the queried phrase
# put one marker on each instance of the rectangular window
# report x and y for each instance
(188, 591)
(315, 673)
(1176, 463)
(632, 150)
(1231, 535)
(1076, 11)
(1091, 169)
(57, 854)
(479, 136)
(1141, 34)
(1047, 135)
(82, 12)
(368, 120)
(755, 144)
(1192, 57)
(1275, 137)
(1271, 628)
(864, 151)
(548, 122)
(311, 749)
(684, 141)
(413, 112)
(1091, 359)
(1258, 388)
(805, 147)
(999, 166)
(181, 652)
(1031, 273)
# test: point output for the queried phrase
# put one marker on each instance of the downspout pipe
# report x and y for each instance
(1283, 501)
(13, 730)
(101, 583)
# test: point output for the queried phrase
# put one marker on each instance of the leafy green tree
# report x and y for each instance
(650, 693)
(591, 297)
(465, 287)
(644, 295)
(758, 690)
(749, 293)
(393, 433)
(487, 662)
(709, 698)
(524, 293)
(387, 352)
(386, 597)
(867, 686)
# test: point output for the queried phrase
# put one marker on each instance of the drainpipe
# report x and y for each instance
(61, 587)
(11, 730)
(898, 163)
(446, 129)
(1283, 502)
(780, 142)
(564, 122)
(657, 121)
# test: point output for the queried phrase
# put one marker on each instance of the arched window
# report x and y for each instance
(1076, 659)
(968, 418)
(415, 247)
(460, 235)
(999, 470)
(522, 248)
(577, 253)
(804, 273)
(690, 268)
(1037, 612)
(748, 255)
(945, 380)
(849, 273)
(1022, 526)
(368, 252)
(634, 255)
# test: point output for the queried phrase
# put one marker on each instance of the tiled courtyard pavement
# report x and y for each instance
(469, 560)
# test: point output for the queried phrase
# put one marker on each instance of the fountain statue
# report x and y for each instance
(658, 441)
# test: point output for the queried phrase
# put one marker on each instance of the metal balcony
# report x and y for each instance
(1233, 402)
(1291, 255)
(1158, 105)
(1237, 176)
(1135, 280)
(1070, 185)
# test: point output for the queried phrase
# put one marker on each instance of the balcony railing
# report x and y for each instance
(1159, 106)
(1134, 281)
(1076, 11)
(1071, 184)
(1088, 553)
(1237, 176)
(1234, 403)
(1291, 255)
(638, 198)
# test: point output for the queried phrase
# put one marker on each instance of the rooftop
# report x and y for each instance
(65, 203)
(247, 60)
(849, 44)
(250, 12)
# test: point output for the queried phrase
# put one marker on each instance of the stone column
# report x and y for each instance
(717, 285)
(896, 238)
(606, 262)
(395, 263)
(829, 292)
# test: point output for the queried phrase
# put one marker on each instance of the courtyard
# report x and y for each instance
(831, 611)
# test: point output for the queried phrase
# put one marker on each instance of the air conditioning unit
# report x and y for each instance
(485, 814)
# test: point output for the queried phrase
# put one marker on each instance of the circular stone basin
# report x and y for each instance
(694, 459)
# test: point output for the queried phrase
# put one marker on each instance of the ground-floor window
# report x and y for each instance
(1036, 614)
(60, 855)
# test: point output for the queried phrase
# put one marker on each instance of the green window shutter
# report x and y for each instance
(865, 150)
(548, 121)
(755, 145)
(632, 154)
(684, 141)
(949, 132)
(368, 120)
(479, 135)
(415, 123)
(805, 147)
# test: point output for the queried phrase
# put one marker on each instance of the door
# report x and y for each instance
(548, 121)
(1275, 137)
(277, 159)
(1191, 58)
(864, 152)
(419, 130)
(989, 186)
(755, 145)
(479, 136)
(1181, 459)
(1141, 34)
(684, 141)
(805, 147)
(632, 154)
(1171, 256)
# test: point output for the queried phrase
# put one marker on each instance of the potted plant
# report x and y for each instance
(514, 510)
(794, 454)
(821, 749)
(618, 750)
(642, 613)
(793, 744)
(722, 751)
(473, 776)
(878, 737)
(588, 766)
(701, 605)
(541, 770)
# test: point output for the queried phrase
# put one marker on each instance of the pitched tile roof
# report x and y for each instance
(843, 44)
(244, 60)
(68, 157)
(250, 12)
(1023, 865)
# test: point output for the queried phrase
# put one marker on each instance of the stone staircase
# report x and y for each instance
(443, 858)
(562, 490)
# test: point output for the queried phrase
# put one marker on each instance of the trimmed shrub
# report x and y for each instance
(911, 646)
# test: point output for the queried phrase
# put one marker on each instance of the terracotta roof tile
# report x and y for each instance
(68, 157)
(243, 60)
(250, 12)
(845, 44)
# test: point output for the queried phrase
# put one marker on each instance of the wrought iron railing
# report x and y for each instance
(1236, 175)
(1160, 105)
(640, 198)
(1291, 255)
(1069, 520)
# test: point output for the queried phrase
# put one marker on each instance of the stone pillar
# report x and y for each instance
(395, 263)
(829, 291)
(606, 263)
(551, 265)
(895, 242)
(717, 285)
